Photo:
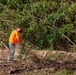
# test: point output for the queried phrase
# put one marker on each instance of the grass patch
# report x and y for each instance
(65, 72)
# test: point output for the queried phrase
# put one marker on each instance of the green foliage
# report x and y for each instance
(67, 30)
(35, 16)
(65, 72)
(3, 2)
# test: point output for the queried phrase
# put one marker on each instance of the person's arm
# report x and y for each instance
(18, 37)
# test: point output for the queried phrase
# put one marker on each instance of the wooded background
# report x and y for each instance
(47, 24)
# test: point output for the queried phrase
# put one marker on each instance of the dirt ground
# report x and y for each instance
(33, 67)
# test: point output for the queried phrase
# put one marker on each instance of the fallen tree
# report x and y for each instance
(60, 56)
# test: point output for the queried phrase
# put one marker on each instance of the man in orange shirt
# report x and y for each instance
(13, 39)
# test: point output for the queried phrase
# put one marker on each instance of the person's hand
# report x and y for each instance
(22, 41)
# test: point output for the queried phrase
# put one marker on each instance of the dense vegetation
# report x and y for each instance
(48, 24)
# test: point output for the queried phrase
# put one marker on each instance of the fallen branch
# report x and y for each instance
(15, 70)
(4, 45)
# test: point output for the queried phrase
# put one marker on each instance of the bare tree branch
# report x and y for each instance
(63, 35)
(4, 45)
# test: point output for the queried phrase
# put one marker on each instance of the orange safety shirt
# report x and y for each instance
(14, 37)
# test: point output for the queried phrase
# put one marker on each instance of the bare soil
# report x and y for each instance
(34, 66)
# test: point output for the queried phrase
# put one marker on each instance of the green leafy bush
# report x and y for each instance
(36, 16)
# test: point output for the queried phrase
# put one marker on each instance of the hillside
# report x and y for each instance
(48, 24)
(48, 38)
